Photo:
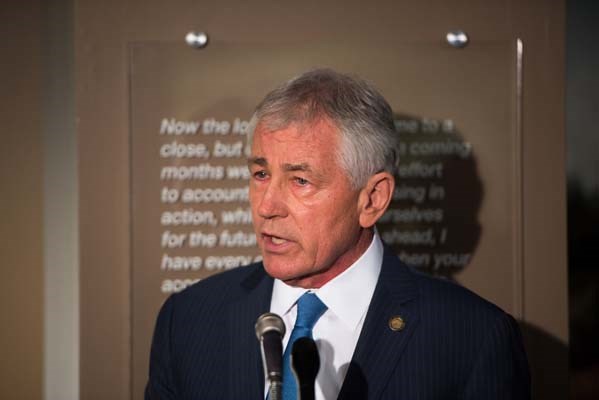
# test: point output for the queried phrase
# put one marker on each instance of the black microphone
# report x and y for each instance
(270, 330)
(305, 363)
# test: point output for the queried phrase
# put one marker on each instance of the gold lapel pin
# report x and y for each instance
(396, 323)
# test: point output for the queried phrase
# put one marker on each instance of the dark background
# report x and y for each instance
(582, 113)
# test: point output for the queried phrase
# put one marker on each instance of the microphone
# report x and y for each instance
(270, 330)
(305, 363)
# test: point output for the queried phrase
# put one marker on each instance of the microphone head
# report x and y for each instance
(269, 322)
(270, 330)
(305, 360)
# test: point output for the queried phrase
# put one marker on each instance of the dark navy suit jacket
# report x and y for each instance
(454, 345)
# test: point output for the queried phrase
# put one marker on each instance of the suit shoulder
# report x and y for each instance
(449, 295)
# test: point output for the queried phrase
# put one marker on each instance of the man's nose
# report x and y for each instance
(272, 201)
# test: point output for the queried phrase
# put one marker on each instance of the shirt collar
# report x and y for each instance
(347, 295)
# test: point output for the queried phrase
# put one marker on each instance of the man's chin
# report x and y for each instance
(291, 277)
(281, 272)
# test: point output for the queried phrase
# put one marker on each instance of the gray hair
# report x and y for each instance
(369, 141)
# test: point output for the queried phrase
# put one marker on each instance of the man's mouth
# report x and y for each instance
(277, 240)
(274, 239)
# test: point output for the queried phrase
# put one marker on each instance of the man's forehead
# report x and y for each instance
(290, 150)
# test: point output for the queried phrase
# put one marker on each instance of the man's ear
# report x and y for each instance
(375, 198)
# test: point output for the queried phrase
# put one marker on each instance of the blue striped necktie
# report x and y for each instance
(309, 309)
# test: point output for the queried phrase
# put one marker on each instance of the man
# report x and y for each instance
(322, 163)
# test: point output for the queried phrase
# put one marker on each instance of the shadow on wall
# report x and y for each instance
(432, 222)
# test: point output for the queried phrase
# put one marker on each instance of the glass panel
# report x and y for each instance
(456, 201)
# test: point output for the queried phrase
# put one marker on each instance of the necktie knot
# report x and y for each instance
(309, 309)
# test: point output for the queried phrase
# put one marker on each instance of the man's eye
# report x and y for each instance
(301, 181)
(260, 175)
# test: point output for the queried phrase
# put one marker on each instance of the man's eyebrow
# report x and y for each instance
(261, 161)
(297, 167)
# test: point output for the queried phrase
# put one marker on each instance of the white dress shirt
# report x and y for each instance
(347, 297)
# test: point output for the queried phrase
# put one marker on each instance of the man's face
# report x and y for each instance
(304, 210)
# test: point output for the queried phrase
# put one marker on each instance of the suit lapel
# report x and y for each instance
(247, 376)
(379, 347)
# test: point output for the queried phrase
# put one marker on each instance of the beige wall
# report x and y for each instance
(21, 233)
